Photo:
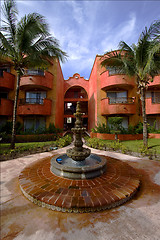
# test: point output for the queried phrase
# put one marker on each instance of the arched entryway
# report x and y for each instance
(71, 97)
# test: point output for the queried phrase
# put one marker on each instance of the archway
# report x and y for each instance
(71, 97)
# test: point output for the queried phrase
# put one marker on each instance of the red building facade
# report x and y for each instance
(45, 97)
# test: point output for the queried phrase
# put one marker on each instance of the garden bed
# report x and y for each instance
(121, 137)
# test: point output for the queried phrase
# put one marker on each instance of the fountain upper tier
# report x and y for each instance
(78, 153)
(78, 162)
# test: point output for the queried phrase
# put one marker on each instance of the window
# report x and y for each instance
(4, 95)
(35, 97)
(4, 69)
(155, 97)
(117, 97)
(34, 123)
(38, 72)
(114, 70)
(69, 120)
(124, 122)
(69, 105)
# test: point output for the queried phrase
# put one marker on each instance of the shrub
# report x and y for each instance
(102, 145)
(53, 129)
(138, 128)
(147, 152)
(101, 128)
(7, 127)
(152, 129)
(64, 141)
(116, 123)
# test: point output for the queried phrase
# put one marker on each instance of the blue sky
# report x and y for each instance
(87, 28)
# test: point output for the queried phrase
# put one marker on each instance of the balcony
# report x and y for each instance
(6, 107)
(152, 106)
(118, 80)
(7, 81)
(35, 107)
(119, 106)
(75, 100)
(37, 79)
(155, 83)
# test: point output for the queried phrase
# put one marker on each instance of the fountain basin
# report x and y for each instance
(116, 186)
(64, 166)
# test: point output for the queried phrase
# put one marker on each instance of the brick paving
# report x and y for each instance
(116, 186)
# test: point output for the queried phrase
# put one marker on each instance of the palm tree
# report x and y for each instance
(141, 60)
(28, 44)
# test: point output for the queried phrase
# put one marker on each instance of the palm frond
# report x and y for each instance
(10, 12)
(5, 47)
(154, 30)
(34, 39)
(153, 64)
(112, 58)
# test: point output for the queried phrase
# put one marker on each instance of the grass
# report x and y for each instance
(5, 147)
(31, 147)
(137, 145)
(128, 147)
(20, 148)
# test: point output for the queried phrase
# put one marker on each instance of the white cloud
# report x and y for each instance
(77, 11)
(26, 3)
(128, 28)
(124, 31)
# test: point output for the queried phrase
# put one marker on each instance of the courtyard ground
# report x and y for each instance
(137, 219)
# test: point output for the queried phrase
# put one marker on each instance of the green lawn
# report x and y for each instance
(126, 146)
(137, 144)
(20, 147)
(133, 146)
(34, 146)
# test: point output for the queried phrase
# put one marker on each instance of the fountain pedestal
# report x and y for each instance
(78, 162)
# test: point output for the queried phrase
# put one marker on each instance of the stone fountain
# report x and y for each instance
(78, 181)
(78, 162)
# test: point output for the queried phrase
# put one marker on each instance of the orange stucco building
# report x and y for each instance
(45, 97)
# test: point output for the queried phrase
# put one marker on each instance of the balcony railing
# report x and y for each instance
(74, 95)
(115, 70)
(34, 72)
(116, 80)
(37, 80)
(31, 101)
(152, 106)
(7, 80)
(121, 100)
(128, 106)
(34, 107)
(156, 100)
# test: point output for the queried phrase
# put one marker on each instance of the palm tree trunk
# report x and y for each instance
(145, 134)
(15, 111)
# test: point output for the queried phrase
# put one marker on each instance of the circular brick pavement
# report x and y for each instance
(116, 186)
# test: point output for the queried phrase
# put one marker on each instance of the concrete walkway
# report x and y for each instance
(138, 219)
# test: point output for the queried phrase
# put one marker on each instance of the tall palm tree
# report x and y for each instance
(28, 44)
(141, 60)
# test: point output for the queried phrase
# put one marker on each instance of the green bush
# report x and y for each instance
(102, 145)
(152, 129)
(7, 127)
(101, 128)
(64, 141)
(116, 127)
(147, 152)
(53, 129)
(138, 128)
(116, 123)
